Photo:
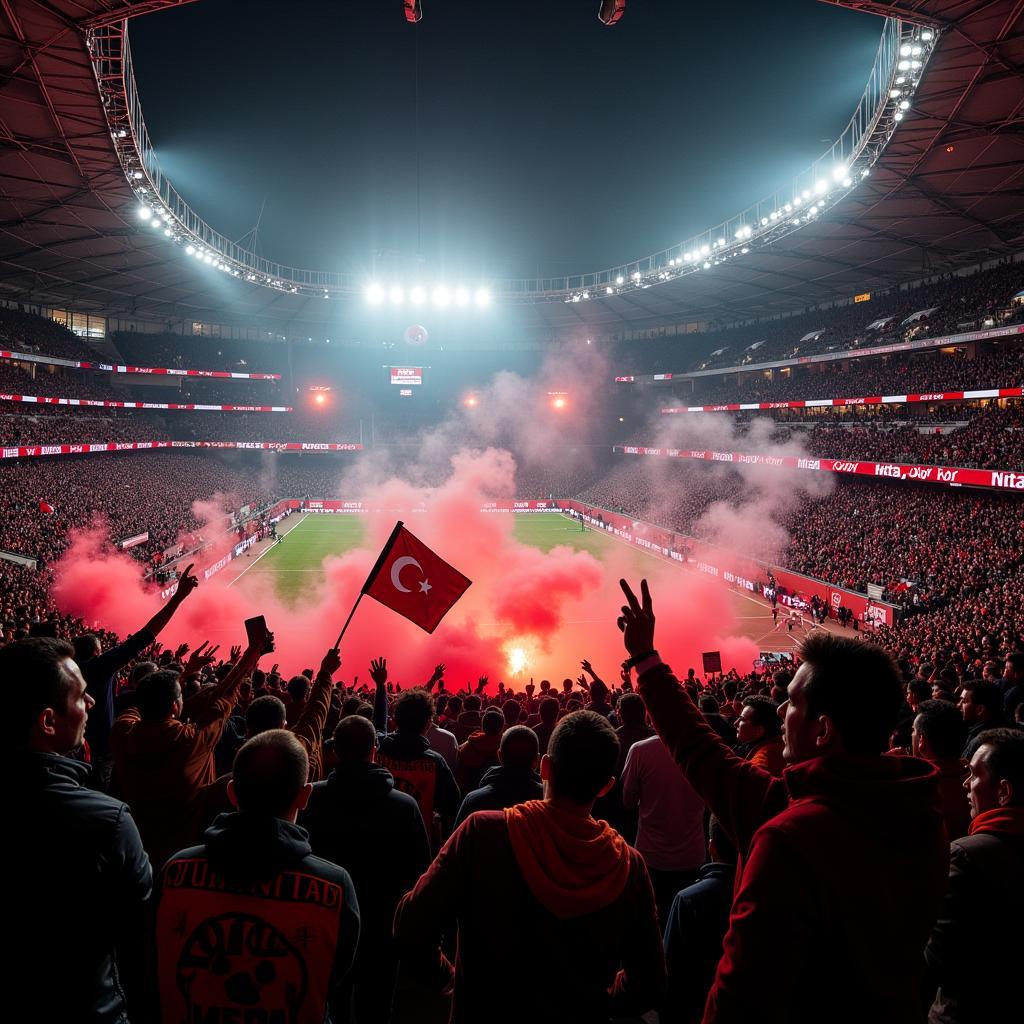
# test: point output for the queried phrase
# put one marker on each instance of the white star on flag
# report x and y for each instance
(424, 586)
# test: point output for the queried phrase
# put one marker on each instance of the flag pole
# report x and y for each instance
(382, 558)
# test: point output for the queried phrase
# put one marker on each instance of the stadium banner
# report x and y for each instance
(132, 542)
(740, 571)
(856, 353)
(406, 375)
(953, 476)
(95, 403)
(78, 364)
(35, 451)
(818, 403)
(359, 507)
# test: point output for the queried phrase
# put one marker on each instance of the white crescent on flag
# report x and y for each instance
(396, 572)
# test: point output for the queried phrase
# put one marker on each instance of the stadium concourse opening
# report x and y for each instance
(513, 544)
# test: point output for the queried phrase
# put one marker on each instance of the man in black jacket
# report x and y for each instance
(418, 770)
(251, 920)
(78, 855)
(514, 780)
(357, 819)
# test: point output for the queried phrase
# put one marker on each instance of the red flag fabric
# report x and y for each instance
(45, 506)
(412, 580)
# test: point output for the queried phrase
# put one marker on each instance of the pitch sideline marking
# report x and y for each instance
(269, 547)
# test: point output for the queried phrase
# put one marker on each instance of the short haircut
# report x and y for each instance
(156, 694)
(548, 709)
(519, 747)
(857, 685)
(493, 722)
(1016, 659)
(766, 714)
(583, 751)
(729, 689)
(920, 689)
(414, 711)
(85, 647)
(511, 710)
(355, 740)
(298, 688)
(632, 710)
(266, 712)
(724, 848)
(139, 671)
(33, 679)
(472, 702)
(942, 725)
(987, 694)
(454, 704)
(1006, 758)
(708, 705)
(269, 773)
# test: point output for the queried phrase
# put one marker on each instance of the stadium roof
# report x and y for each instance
(947, 191)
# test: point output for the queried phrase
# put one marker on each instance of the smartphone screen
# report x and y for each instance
(256, 631)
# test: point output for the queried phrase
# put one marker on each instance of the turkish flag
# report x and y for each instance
(413, 581)
(45, 506)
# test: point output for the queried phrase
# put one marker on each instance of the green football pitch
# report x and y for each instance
(296, 565)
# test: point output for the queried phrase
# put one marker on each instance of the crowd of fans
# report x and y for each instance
(961, 304)
(253, 845)
(32, 333)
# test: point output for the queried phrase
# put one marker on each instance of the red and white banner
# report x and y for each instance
(79, 364)
(95, 403)
(406, 375)
(34, 451)
(999, 479)
(133, 542)
(330, 505)
(829, 357)
(818, 403)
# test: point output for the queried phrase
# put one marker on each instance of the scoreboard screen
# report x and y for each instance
(404, 376)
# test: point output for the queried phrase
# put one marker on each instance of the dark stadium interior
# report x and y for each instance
(343, 277)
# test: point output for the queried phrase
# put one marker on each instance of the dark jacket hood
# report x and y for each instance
(37, 770)
(359, 784)
(892, 797)
(252, 846)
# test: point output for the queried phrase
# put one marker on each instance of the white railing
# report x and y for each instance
(902, 54)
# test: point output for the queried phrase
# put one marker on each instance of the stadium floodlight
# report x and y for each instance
(901, 80)
(636, 275)
(672, 262)
(915, 64)
(374, 294)
(839, 172)
(905, 105)
(396, 296)
(609, 290)
(586, 295)
(145, 213)
(916, 51)
(744, 250)
(442, 296)
(904, 65)
(482, 298)
(721, 241)
(798, 200)
(190, 250)
(137, 175)
(575, 298)
(895, 94)
(813, 210)
(764, 222)
(898, 116)
(619, 279)
(821, 186)
(847, 182)
(461, 296)
(207, 257)
(688, 256)
(168, 232)
(926, 35)
(905, 50)
(707, 265)
(418, 295)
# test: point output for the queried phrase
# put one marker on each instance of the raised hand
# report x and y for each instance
(180, 651)
(587, 667)
(438, 671)
(199, 658)
(637, 620)
(236, 653)
(186, 584)
(481, 684)
(582, 680)
(379, 671)
(331, 662)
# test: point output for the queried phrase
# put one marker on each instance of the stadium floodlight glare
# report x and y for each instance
(904, 104)
(586, 295)
(898, 116)
(895, 94)
(707, 265)
(926, 35)
(904, 65)
(482, 298)
(821, 187)
(145, 213)
(705, 249)
(396, 296)
(847, 182)
(915, 64)
(461, 297)
(418, 295)
(168, 232)
(636, 275)
(813, 210)
(374, 294)
(207, 257)
(839, 172)
(916, 51)
(672, 262)
(905, 50)
(620, 279)
(190, 250)
(901, 80)
(609, 290)
(137, 175)
(798, 200)
(442, 296)
(688, 256)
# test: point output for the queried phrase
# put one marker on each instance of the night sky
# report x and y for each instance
(548, 143)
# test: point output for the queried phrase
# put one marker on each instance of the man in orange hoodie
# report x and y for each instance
(542, 879)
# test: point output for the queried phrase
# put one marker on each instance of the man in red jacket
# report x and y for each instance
(843, 860)
(541, 881)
